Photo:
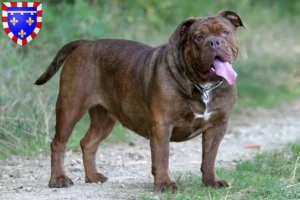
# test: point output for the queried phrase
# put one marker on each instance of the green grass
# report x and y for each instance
(267, 65)
(270, 175)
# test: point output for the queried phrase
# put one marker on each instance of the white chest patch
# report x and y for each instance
(206, 115)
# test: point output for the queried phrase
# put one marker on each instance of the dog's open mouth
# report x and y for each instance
(204, 75)
(220, 68)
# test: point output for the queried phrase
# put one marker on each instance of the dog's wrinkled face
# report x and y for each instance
(209, 46)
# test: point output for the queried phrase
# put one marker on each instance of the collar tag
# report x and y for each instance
(205, 95)
(204, 90)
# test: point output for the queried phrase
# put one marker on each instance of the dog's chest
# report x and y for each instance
(199, 116)
(206, 114)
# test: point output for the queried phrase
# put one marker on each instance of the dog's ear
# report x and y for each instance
(181, 31)
(233, 17)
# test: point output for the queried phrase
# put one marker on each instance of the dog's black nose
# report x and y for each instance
(214, 42)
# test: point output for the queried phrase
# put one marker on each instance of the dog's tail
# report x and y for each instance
(59, 59)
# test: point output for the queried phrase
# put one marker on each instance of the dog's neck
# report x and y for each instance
(188, 84)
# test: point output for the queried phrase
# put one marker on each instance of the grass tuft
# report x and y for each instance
(269, 175)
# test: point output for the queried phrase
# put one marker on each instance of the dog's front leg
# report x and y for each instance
(211, 140)
(159, 143)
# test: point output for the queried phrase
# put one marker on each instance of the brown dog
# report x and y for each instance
(173, 92)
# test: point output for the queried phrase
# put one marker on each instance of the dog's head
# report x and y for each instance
(209, 46)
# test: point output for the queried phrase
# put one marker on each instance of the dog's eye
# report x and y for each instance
(225, 33)
(199, 38)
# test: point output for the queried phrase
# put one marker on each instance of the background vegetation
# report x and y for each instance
(268, 64)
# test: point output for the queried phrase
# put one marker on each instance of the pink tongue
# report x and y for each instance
(225, 70)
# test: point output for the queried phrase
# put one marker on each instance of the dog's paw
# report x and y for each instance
(164, 186)
(95, 178)
(60, 182)
(216, 183)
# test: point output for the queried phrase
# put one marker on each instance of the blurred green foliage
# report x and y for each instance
(268, 64)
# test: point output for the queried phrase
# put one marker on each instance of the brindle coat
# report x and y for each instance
(150, 91)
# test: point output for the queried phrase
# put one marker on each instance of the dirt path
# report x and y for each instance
(128, 167)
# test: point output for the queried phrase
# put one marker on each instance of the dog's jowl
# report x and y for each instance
(173, 92)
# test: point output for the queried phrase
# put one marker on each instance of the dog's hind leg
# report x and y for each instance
(101, 125)
(68, 112)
